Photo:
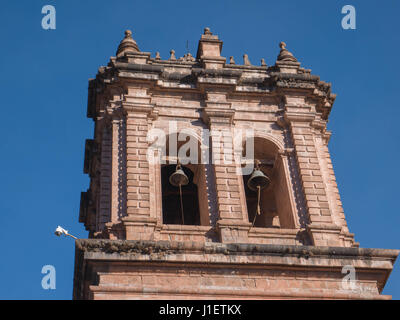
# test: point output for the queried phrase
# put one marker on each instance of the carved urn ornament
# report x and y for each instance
(127, 44)
(285, 54)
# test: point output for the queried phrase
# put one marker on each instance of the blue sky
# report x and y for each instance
(44, 94)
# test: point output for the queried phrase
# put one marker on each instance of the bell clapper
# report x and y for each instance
(258, 206)
(180, 193)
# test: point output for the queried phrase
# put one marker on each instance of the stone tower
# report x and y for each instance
(215, 237)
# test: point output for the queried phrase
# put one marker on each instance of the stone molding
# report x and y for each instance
(103, 258)
(132, 246)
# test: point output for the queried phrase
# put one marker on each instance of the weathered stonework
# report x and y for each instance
(115, 269)
(300, 255)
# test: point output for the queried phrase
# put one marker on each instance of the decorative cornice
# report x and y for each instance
(218, 116)
(188, 73)
(299, 116)
(146, 247)
(139, 67)
(295, 77)
(147, 109)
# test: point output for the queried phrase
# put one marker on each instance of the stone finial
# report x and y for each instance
(231, 60)
(158, 56)
(187, 58)
(207, 31)
(263, 64)
(284, 54)
(246, 60)
(172, 57)
(127, 44)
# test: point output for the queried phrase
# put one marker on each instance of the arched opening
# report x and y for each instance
(171, 198)
(194, 195)
(268, 216)
(275, 207)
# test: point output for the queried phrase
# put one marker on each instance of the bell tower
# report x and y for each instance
(216, 177)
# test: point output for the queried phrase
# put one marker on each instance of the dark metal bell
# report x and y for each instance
(258, 179)
(178, 178)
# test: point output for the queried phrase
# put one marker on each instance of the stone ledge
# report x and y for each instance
(184, 229)
(131, 246)
(247, 259)
(241, 294)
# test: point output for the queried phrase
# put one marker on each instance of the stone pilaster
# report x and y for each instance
(116, 125)
(103, 215)
(139, 223)
(232, 223)
(322, 229)
(332, 191)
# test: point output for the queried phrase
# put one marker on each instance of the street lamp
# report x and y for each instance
(60, 230)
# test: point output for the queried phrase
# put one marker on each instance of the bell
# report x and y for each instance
(258, 179)
(178, 178)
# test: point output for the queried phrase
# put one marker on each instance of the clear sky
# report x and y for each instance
(44, 79)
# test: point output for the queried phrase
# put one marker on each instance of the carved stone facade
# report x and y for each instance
(300, 243)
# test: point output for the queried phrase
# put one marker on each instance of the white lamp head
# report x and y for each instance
(59, 231)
